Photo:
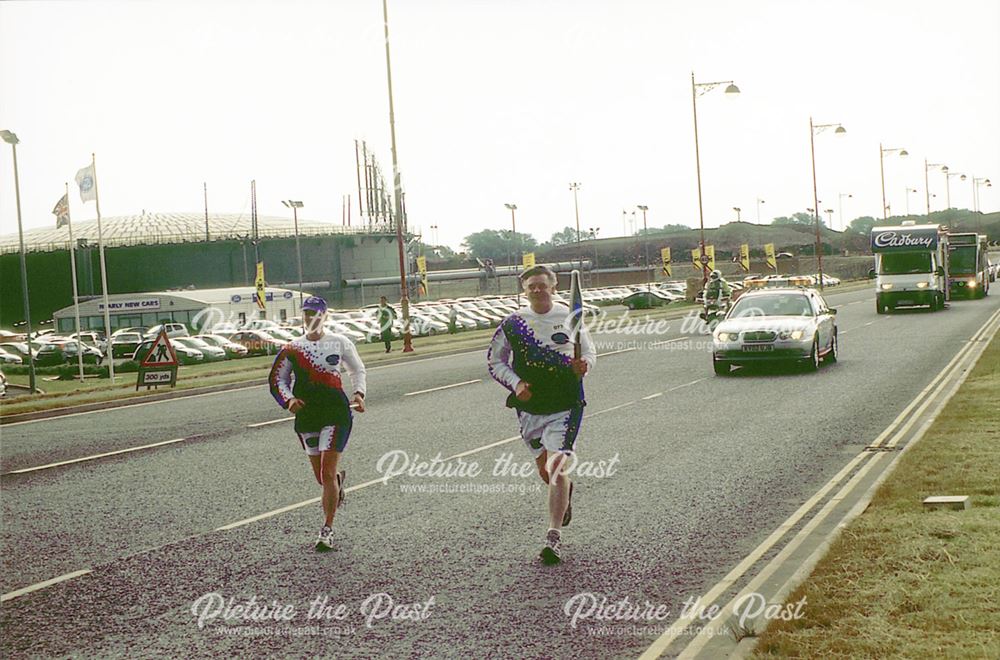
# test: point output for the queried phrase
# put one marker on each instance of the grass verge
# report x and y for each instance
(904, 582)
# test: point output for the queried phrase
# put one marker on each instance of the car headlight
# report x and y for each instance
(795, 335)
(886, 286)
(724, 336)
(922, 285)
(972, 283)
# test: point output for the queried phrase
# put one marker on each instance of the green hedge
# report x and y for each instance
(71, 371)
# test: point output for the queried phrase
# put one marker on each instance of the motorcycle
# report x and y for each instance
(713, 312)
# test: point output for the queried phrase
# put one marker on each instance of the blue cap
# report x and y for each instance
(314, 304)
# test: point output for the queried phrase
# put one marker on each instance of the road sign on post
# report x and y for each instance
(159, 367)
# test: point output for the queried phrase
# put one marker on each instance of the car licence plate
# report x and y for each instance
(758, 348)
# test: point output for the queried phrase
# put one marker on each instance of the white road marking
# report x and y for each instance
(273, 421)
(444, 387)
(623, 350)
(41, 585)
(652, 396)
(96, 456)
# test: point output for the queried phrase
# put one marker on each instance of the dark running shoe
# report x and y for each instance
(550, 553)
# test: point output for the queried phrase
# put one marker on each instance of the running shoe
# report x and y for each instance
(550, 553)
(325, 541)
(568, 516)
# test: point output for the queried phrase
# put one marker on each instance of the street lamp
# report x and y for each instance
(881, 166)
(759, 202)
(645, 244)
(576, 209)
(11, 139)
(513, 238)
(829, 214)
(404, 301)
(696, 90)
(295, 206)
(840, 202)
(813, 130)
(947, 183)
(976, 182)
(434, 229)
(927, 186)
(737, 209)
(593, 235)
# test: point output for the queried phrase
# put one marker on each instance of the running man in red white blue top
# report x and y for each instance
(532, 355)
(306, 380)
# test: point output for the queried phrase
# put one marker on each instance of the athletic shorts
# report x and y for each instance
(555, 432)
(329, 437)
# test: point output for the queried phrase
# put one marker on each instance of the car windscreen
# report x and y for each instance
(905, 263)
(962, 260)
(792, 304)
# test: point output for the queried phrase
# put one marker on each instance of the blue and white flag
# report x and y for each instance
(87, 180)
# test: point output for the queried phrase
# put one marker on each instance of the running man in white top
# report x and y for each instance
(305, 380)
(531, 355)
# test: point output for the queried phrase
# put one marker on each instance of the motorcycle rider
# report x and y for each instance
(716, 297)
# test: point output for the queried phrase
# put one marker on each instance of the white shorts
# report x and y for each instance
(554, 432)
(329, 437)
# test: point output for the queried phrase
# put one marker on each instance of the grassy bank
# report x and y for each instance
(904, 582)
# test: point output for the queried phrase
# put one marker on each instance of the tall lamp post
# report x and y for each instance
(738, 210)
(575, 186)
(645, 244)
(404, 301)
(759, 202)
(829, 215)
(593, 236)
(882, 151)
(698, 89)
(11, 139)
(295, 206)
(976, 182)
(513, 240)
(947, 183)
(813, 130)
(927, 186)
(840, 206)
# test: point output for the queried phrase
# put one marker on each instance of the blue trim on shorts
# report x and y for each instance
(572, 428)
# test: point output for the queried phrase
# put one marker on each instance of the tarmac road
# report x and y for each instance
(703, 469)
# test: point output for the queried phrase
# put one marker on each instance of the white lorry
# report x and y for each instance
(911, 266)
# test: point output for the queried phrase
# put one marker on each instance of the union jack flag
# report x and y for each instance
(61, 211)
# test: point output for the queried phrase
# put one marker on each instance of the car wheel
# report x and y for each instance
(834, 353)
(812, 364)
(721, 368)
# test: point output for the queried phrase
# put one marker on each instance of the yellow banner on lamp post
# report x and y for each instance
(745, 257)
(710, 253)
(261, 293)
(665, 257)
(528, 260)
(772, 263)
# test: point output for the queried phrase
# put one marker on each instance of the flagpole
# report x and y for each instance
(104, 274)
(76, 293)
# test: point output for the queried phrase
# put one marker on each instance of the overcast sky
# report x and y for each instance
(498, 101)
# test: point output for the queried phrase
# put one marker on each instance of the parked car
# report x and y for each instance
(173, 330)
(3, 385)
(123, 344)
(9, 358)
(232, 350)
(185, 354)
(91, 354)
(45, 354)
(257, 343)
(139, 330)
(647, 299)
(211, 353)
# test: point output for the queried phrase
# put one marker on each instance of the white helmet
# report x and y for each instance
(715, 275)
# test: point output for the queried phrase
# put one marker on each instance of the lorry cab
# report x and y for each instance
(911, 266)
(968, 258)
